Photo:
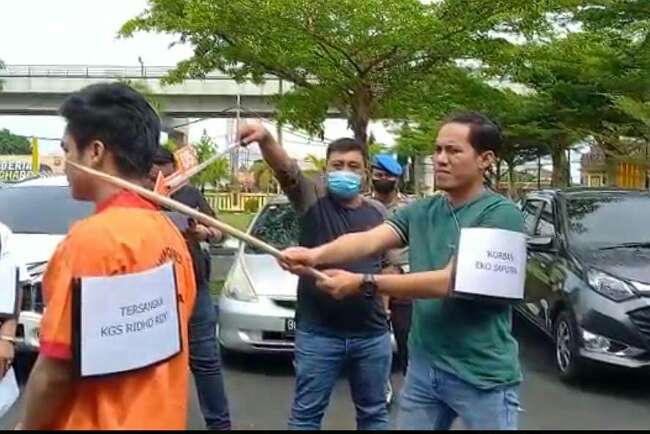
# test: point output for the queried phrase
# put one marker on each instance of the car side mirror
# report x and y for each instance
(542, 244)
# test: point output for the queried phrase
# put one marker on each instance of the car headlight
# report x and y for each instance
(609, 286)
(600, 344)
(238, 286)
(594, 342)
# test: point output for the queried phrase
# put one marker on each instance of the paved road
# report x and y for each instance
(260, 391)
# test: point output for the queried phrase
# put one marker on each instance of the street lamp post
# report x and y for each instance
(141, 66)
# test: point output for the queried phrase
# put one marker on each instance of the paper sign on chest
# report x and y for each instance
(126, 322)
(491, 263)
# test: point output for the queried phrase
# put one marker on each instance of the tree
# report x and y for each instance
(215, 172)
(263, 174)
(638, 110)
(579, 78)
(634, 149)
(518, 115)
(352, 55)
(12, 144)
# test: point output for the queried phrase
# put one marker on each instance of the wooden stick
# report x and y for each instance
(194, 170)
(184, 209)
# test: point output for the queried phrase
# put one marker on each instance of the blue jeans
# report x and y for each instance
(320, 360)
(205, 363)
(433, 399)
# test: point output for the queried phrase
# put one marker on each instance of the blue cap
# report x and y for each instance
(388, 164)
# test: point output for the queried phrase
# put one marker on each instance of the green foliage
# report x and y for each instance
(569, 88)
(170, 145)
(12, 144)
(215, 172)
(356, 56)
(637, 110)
(264, 179)
(579, 79)
(582, 67)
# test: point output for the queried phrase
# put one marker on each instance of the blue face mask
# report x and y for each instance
(343, 184)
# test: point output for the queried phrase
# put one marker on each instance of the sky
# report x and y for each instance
(69, 32)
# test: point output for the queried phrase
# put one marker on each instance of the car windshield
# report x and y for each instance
(277, 225)
(40, 210)
(610, 220)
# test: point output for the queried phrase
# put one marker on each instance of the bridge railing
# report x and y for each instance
(99, 71)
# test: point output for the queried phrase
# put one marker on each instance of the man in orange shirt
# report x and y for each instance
(111, 128)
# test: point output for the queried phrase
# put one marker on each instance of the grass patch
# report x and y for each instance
(240, 220)
(216, 286)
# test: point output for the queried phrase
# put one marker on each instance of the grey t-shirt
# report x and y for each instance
(322, 219)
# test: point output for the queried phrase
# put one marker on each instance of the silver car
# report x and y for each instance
(257, 305)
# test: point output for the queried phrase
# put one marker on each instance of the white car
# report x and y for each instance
(39, 212)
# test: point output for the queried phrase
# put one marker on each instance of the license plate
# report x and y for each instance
(290, 326)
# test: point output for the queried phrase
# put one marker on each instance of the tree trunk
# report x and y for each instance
(498, 175)
(511, 179)
(539, 171)
(359, 116)
(412, 177)
(560, 163)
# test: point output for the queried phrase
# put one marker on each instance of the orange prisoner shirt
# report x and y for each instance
(126, 235)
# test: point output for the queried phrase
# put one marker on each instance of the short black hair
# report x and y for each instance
(346, 144)
(484, 134)
(163, 156)
(121, 118)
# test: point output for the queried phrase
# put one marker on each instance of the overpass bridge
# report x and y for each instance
(40, 90)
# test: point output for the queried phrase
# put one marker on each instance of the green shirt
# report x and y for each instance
(469, 338)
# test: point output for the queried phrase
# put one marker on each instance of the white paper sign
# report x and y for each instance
(9, 391)
(491, 263)
(8, 289)
(128, 321)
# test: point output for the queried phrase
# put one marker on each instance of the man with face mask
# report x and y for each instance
(333, 335)
(386, 173)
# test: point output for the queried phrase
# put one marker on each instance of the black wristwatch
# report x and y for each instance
(369, 285)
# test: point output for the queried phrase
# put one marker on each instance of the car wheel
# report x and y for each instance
(567, 355)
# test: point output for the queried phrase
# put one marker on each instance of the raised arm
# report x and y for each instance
(274, 154)
(301, 191)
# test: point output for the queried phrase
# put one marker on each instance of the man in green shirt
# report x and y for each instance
(463, 358)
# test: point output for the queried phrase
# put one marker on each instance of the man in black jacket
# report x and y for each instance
(205, 360)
